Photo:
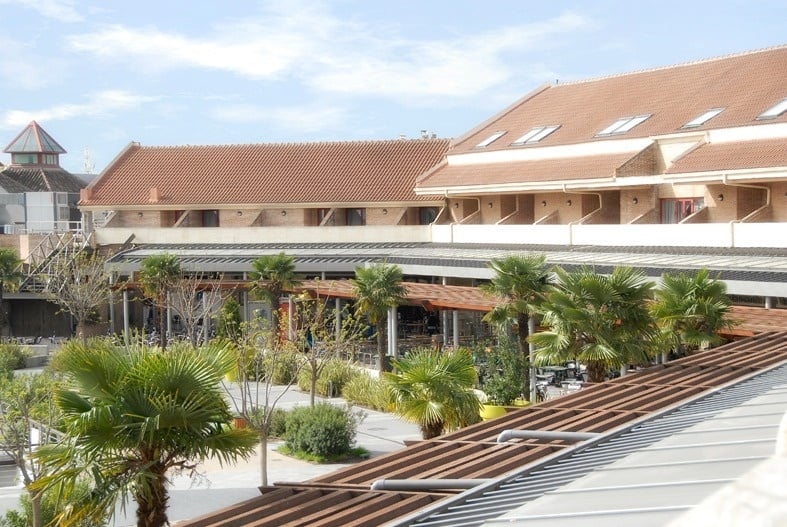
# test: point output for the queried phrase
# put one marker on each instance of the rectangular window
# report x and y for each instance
(774, 111)
(210, 218)
(621, 126)
(535, 135)
(704, 118)
(356, 216)
(50, 159)
(676, 210)
(427, 215)
(24, 159)
(489, 140)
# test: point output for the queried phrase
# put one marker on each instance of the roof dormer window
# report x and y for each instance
(534, 135)
(703, 118)
(489, 140)
(774, 111)
(621, 126)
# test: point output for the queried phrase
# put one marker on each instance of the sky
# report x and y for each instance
(100, 74)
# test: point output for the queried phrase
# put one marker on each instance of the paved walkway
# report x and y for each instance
(220, 487)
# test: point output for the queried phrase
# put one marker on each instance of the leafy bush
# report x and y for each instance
(323, 430)
(12, 357)
(51, 504)
(368, 391)
(335, 375)
(278, 423)
(281, 366)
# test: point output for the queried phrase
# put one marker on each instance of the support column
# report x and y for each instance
(455, 316)
(531, 328)
(768, 302)
(338, 308)
(393, 328)
(125, 317)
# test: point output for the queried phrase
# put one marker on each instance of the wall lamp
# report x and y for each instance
(635, 200)
(139, 214)
(284, 213)
(239, 213)
(456, 205)
(568, 202)
(385, 211)
(720, 197)
(544, 203)
(490, 204)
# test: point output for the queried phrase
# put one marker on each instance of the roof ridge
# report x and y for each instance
(673, 66)
(306, 143)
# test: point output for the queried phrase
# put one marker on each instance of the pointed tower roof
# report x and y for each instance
(34, 139)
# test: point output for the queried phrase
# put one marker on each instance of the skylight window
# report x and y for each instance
(703, 118)
(489, 140)
(774, 111)
(621, 126)
(535, 135)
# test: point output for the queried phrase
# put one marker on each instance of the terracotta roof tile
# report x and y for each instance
(745, 85)
(539, 171)
(38, 179)
(733, 156)
(328, 172)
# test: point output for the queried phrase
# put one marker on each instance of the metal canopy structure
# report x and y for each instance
(629, 414)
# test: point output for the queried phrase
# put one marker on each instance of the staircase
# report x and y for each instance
(49, 256)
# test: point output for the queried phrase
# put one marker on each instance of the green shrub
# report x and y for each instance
(367, 391)
(322, 430)
(281, 366)
(51, 504)
(335, 375)
(12, 357)
(278, 423)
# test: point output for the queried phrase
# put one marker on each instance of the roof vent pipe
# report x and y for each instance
(573, 437)
(426, 484)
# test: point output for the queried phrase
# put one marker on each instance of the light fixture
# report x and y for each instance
(568, 202)
(490, 204)
(139, 214)
(544, 203)
(720, 197)
(239, 213)
(385, 211)
(284, 213)
(456, 205)
(635, 200)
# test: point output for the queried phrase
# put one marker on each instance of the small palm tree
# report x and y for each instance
(131, 417)
(602, 321)
(690, 309)
(9, 278)
(434, 390)
(520, 281)
(378, 288)
(157, 275)
(272, 275)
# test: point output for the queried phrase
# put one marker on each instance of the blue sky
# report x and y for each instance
(100, 74)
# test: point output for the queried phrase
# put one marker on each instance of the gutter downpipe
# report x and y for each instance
(586, 216)
(426, 484)
(573, 437)
(767, 190)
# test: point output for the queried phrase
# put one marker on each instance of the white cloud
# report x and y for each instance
(336, 55)
(60, 10)
(101, 104)
(306, 119)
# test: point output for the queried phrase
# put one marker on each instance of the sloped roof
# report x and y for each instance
(15, 179)
(523, 172)
(608, 408)
(282, 173)
(34, 139)
(733, 156)
(745, 85)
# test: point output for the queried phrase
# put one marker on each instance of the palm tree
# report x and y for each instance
(601, 321)
(691, 309)
(9, 277)
(520, 281)
(132, 416)
(434, 390)
(272, 275)
(378, 288)
(158, 273)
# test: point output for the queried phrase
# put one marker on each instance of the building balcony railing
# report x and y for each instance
(768, 235)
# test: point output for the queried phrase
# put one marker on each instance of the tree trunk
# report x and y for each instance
(523, 332)
(313, 387)
(264, 459)
(432, 430)
(596, 371)
(152, 510)
(35, 505)
(162, 321)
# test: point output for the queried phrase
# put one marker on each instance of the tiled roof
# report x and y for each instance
(34, 139)
(524, 172)
(733, 156)
(304, 173)
(474, 453)
(745, 85)
(37, 179)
